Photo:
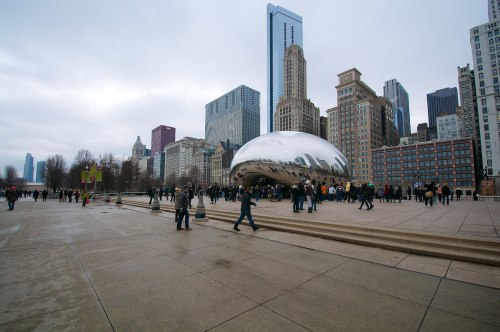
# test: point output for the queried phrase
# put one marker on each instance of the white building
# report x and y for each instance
(485, 44)
(449, 127)
(179, 157)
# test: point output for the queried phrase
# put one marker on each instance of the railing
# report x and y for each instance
(480, 198)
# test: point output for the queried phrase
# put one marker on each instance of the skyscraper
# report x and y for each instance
(397, 95)
(360, 122)
(161, 136)
(284, 28)
(441, 102)
(467, 90)
(28, 168)
(493, 10)
(40, 171)
(485, 45)
(139, 149)
(234, 116)
(294, 111)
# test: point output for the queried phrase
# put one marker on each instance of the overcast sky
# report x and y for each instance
(96, 74)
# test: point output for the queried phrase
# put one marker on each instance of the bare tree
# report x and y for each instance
(55, 172)
(83, 158)
(10, 177)
(110, 171)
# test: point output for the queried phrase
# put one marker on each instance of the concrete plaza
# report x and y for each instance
(104, 268)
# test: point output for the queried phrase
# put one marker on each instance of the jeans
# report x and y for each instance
(301, 202)
(447, 198)
(184, 212)
(248, 214)
(11, 204)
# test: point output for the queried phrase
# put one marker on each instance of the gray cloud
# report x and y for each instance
(95, 74)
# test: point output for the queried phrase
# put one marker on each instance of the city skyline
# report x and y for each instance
(87, 76)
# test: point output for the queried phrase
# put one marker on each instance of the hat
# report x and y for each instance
(308, 181)
(185, 187)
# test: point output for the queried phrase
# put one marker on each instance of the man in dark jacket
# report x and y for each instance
(183, 205)
(246, 202)
(446, 193)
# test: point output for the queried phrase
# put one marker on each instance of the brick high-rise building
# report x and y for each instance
(294, 111)
(161, 136)
(360, 122)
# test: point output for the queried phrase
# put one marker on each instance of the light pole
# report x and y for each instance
(86, 176)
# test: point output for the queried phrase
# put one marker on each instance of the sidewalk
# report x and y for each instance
(126, 269)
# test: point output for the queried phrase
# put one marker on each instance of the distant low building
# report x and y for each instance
(450, 161)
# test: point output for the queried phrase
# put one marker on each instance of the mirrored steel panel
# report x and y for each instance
(288, 156)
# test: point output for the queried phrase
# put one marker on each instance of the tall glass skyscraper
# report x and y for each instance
(235, 117)
(397, 95)
(28, 168)
(441, 102)
(284, 28)
(40, 171)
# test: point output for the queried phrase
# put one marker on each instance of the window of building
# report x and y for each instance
(481, 84)
(481, 76)
(478, 46)
(480, 67)
(483, 92)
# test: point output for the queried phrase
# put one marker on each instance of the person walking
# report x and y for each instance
(177, 203)
(184, 204)
(85, 197)
(446, 194)
(363, 196)
(35, 195)
(294, 191)
(429, 193)
(309, 196)
(45, 193)
(246, 203)
(12, 198)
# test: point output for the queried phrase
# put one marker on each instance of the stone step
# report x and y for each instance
(446, 246)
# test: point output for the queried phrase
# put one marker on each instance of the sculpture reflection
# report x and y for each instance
(288, 156)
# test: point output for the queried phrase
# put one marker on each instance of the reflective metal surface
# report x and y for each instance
(288, 156)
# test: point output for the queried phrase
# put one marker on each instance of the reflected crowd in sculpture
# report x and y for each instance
(286, 157)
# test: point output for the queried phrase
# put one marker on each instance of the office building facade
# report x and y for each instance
(234, 116)
(284, 28)
(450, 161)
(159, 166)
(294, 111)
(449, 127)
(161, 136)
(360, 122)
(179, 156)
(397, 95)
(485, 44)
(28, 168)
(441, 102)
(40, 171)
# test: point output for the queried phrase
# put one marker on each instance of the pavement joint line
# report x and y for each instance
(429, 305)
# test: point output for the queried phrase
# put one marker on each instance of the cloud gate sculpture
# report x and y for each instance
(288, 156)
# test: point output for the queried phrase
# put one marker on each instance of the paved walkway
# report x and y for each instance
(65, 267)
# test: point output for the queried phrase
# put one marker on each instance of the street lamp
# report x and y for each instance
(87, 176)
